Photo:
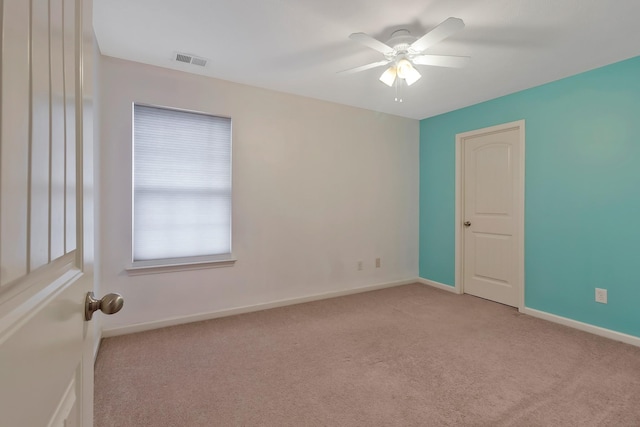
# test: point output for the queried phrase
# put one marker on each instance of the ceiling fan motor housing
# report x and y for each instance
(401, 41)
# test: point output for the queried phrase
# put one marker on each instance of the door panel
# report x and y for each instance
(42, 353)
(46, 347)
(68, 412)
(490, 250)
(70, 122)
(40, 134)
(57, 141)
(14, 157)
(492, 179)
(491, 208)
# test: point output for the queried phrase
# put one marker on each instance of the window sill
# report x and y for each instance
(136, 270)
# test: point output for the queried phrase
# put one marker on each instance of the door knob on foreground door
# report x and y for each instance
(109, 304)
(467, 223)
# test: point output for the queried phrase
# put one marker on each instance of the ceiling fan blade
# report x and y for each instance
(365, 67)
(441, 60)
(369, 41)
(439, 33)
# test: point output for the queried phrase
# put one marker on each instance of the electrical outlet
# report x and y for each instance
(601, 295)
(359, 265)
(377, 262)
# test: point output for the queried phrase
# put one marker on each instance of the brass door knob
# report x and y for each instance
(108, 304)
(467, 223)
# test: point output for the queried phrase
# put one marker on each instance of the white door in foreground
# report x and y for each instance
(46, 228)
(491, 213)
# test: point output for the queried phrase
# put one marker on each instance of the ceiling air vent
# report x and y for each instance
(190, 59)
(199, 61)
(183, 58)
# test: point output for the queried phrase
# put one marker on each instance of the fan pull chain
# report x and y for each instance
(396, 87)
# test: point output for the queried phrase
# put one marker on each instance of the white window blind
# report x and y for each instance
(181, 186)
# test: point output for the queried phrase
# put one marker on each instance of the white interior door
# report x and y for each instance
(46, 229)
(491, 213)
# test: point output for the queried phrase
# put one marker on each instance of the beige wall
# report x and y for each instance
(317, 187)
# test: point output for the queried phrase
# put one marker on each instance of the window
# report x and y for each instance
(181, 187)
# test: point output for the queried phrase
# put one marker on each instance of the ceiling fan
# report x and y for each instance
(403, 51)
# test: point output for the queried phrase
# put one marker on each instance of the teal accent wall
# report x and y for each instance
(582, 192)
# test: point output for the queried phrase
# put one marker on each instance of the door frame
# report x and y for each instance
(459, 209)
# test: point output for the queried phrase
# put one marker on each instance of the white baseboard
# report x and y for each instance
(147, 326)
(438, 285)
(596, 330)
(586, 327)
(141, 327)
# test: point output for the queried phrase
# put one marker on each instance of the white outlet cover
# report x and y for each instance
(601, 295)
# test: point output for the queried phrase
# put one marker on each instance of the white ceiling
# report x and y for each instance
(297, 46)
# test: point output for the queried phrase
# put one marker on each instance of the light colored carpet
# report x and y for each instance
(405, 356)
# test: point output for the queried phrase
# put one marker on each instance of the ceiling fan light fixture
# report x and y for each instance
(407, 72)
(403, 50)
(404, 68)
(412, 76)
(389, 76)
